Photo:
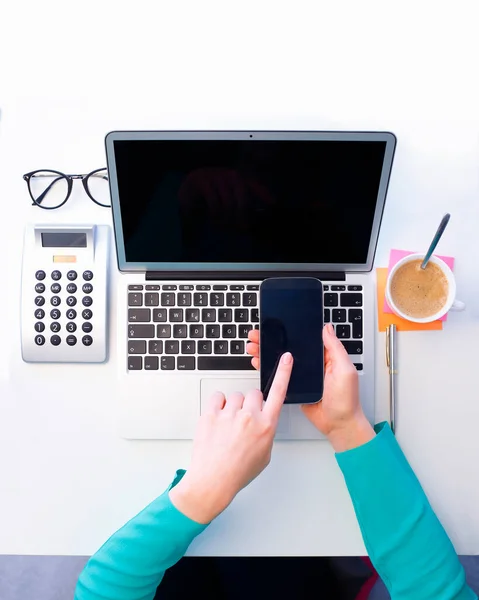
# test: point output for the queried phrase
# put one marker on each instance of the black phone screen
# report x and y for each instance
(291, 319)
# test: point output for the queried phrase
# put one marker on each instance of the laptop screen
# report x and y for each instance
(247, 203)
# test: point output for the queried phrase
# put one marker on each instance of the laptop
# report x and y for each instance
(200, 219)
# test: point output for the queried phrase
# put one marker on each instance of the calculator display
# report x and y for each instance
(64, 240)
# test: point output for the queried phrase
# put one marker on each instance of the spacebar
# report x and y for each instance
(224, 363)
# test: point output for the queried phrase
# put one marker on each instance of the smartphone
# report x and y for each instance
(291, 318)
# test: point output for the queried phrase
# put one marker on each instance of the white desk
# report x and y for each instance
(67, 480)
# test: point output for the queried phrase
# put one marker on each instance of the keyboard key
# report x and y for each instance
(151, 363)
(236, 288)
(159, 315)
(188, 347)
(212, 331)
(184, 299)
(167, 363)
(237, 347)
(224, 363)
(141, 331)
(243, 330)
(167, 299)
(225, 315)
(232, 299)
(139, 315)
(187, 288)
(229, 331)
(200, 299)
(339, 315)
(241, 315)
(353, 347)
(338, 288)
(163, 331)
(325, 288)
(355, 288)
(255, 315)
(221, 347)
(208, 315)
(250, 299)
(152, 299)
(179, 331)
(217, 299)
(220, 287)
(176, 315)
(152, 288)
(155, 347)
(135, 363)
(359, 366)
(356, 318)
(327, 315)
(192, 315)
(170, 288)
(132, 288)
(172, 347)
(343, 331)
(330, 299)
(196, 331)
(252, 287)
(185, 363)
(135, 299)
(136, 347)
(203, 287)
(204, 347)
(351, 299)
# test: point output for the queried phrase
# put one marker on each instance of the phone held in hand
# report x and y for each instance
(291, 319)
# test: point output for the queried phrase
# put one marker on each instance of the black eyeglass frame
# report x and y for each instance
(84, 179)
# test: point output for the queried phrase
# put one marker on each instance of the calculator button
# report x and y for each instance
(39, 340)
(71, 340)
(56, 288)
(40, 288)
(87, 301)
(40, 275)
(87, 314)
(39, 327)
(55, 314)
(39, 301)
(55, 300)
(56, 275)
(71, 327)
(72, 275)
(39, 313)
(87, 340)
(87, 275)
(87, 327)
(71, 300)
(55, 340)
(71, 314)
(55, 327)
(71, 288)
(87, 288)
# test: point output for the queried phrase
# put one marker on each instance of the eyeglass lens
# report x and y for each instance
(50, 189)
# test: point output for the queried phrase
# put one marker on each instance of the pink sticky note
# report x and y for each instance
(396, 255)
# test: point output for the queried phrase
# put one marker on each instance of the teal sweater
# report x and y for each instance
(405, 540)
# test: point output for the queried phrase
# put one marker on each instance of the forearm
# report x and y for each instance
(131, 564)
(406, 542)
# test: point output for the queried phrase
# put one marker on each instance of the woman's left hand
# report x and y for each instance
(232, 446)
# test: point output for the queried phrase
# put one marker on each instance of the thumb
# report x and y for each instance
(336, 350)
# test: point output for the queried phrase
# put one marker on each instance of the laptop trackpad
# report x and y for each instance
(230, 385)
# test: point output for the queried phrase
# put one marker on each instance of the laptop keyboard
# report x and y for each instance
(205, 327)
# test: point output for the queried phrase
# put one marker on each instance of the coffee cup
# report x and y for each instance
(421, 296)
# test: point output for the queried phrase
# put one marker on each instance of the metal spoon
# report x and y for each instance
(435, 239)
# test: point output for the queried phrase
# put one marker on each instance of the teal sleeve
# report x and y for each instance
(131, 564)
(405, 540)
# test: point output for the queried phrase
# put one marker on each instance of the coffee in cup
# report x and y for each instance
(419, 293)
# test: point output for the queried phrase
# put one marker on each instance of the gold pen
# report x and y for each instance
(391, 361)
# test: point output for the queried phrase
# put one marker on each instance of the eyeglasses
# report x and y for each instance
(51, 189)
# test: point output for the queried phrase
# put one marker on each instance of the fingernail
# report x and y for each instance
(287, 358)
(331, 329)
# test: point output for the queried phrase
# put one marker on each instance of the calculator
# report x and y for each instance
(64, 293)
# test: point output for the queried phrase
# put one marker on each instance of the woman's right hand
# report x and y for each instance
(339, 415)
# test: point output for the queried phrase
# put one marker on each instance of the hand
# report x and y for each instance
(339, 415)
(232, 446)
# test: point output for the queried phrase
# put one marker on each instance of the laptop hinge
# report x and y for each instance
(241, 275)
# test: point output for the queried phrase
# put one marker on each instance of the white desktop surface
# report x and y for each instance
(67, 480)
